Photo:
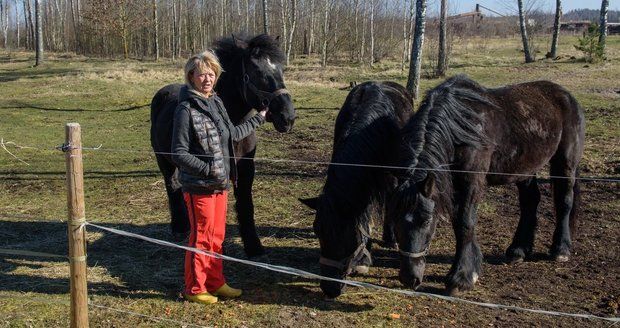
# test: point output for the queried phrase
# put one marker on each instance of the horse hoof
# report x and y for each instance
(561, 258)
(361, 269)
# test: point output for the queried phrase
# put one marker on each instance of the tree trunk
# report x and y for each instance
(175, 31)
(603, 25)
(556, 29)
(39, 34)
(223, 18)
(32, 28)
(283, 18)
(265, 22)
(356, 31)
(325, 30)
(372, 32)
(78, 34)
(4, 21)
(61, 30)
(292, 30)
(404, 57)
(124, 30)
(363, 40)
(17, 36)
(526, 45)
(311, 39)
(247, 16)
(413, 80)
(442, 62)
(155, 29)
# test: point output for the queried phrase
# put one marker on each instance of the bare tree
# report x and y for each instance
(326, 9)
(4, 21)
(39, 33)
(17, 37)
(265, 22)
(603, 25)
(311, 28)
(289, 48)
(413, 80)
(442, 62)
(155, 29)
(405, 37)
(526, 44)
(556, 29)
(372, 32)
(283, 19)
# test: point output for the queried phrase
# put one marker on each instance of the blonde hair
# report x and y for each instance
(201, 62)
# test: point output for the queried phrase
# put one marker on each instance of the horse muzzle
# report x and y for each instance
(331, 289)
(411, 271)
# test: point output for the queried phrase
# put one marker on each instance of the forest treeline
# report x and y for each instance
(353, 31)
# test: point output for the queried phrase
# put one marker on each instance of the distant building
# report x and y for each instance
(577, 27)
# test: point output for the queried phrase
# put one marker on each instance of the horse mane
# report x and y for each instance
(366, 133)
(261, 46)
(446, 119)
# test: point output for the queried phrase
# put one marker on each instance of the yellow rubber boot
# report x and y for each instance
(227, 291)
(204, 298)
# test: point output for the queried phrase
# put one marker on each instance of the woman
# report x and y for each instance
(202, 144)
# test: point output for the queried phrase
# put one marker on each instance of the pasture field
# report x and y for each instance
(123, 189)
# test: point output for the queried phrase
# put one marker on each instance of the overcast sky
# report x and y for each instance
(506, 6)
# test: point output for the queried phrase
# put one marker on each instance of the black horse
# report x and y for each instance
(367, 133)
(251, 79)
(508, 133)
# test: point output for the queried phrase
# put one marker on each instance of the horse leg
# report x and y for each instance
(565, 196)
(245, 207)
(523, 240)
(179, 221)
(467, 264)
(388, 237)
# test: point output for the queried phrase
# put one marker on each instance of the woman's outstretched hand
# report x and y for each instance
(263, 113)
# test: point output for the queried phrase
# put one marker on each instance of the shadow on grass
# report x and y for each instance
(61, 175)
(127, 267)
(20, 105)
(35, 73)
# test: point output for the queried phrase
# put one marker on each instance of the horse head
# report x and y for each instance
(255, 71)
(343, 245)
(412, 211)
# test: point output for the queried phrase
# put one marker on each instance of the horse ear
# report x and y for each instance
(239, 43)
(310, 202)
(427, 186)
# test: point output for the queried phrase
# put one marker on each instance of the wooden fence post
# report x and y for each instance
(76, 230)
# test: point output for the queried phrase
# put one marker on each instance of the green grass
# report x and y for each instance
(123, 189)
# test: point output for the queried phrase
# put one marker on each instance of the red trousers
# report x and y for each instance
(207, 217)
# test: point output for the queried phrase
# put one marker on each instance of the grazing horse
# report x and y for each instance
(367, 133)
(251, 79)
(465, 137)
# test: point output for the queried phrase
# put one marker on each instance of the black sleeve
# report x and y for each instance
(238, 132)
(244, 129)
(182, 136)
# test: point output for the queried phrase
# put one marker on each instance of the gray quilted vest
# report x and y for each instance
(209, 138)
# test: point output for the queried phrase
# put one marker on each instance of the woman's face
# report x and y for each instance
(204, 81)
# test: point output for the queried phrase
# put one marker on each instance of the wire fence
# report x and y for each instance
(441, 168)
(289, 270)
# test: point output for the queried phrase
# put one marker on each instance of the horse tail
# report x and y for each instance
(573, 218)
